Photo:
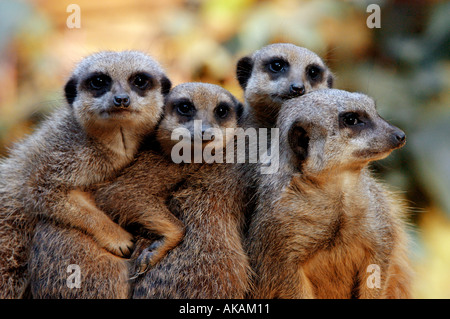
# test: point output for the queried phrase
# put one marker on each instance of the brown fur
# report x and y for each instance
(85, 142)
(210, 262)
(136, 198)
(322, 219)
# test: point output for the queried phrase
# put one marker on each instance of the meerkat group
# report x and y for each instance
(96, 186)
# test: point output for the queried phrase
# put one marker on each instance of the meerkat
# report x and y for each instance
(276, 73)
(114, 99)
(137, 197)
(210, 261)
(324, 228)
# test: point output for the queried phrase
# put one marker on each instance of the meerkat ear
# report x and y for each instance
(70, 90)
(330, 81)
(244, 70)
(166, 85)
(299, 141)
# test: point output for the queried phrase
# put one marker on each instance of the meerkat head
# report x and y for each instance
(334, 130)
(279, 72)
(117, 89)
(199, 109)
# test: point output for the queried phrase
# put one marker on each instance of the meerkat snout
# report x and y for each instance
(296, 89)
(122, 100)
(399, 138)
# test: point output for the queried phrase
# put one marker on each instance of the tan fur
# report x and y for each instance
(84, 142)
(136, 198)
(322, 219)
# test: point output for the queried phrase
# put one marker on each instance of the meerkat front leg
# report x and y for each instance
(161, 221)
(86, 216)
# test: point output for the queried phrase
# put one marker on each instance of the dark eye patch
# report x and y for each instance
(184, 107)
(141, 82)
(351, 119)
(276, 67)
(356, 121)
(97, 83)
(314, 74)
(222, 110)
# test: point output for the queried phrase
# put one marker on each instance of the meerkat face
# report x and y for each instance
(201, 109)
(329, 130)
(279, 72)
(117, 88)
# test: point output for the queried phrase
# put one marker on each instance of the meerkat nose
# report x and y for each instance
(297, 89)
(399, 138)
(122, 100)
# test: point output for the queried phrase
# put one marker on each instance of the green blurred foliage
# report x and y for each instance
(404, 65)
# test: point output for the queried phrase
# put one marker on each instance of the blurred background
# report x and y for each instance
(404, 65)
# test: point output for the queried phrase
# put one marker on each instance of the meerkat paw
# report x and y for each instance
(120, 244)
(148, 258)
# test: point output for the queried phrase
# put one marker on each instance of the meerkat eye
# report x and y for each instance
(351, 119)
(185, 108)
(314, 72)
(222, 110)
(277, 66)
(141, 81)
(99, 82)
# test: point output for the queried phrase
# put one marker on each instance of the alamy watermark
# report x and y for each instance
(374, 19)
(214, 146)
(74, 19)
(74, 279)
(374, 279)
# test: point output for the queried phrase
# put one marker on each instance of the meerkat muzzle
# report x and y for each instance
(121, 100)
(296, 89)
(398, 138)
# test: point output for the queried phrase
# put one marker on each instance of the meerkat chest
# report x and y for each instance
(104, 157)
(322, 220)
(332, 272)
(341, 249)
(123, 144)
